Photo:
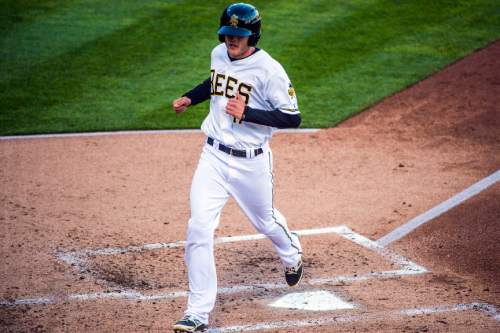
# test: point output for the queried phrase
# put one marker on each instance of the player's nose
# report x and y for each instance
(233, 39)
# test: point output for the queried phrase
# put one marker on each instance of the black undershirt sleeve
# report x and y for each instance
(200, 93)
(275, 118)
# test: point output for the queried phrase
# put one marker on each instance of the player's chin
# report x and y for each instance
(233, 50)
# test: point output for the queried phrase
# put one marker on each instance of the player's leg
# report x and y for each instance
(208, 196)
(253, 190)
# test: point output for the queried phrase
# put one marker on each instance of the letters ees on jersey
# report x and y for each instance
(226, 85)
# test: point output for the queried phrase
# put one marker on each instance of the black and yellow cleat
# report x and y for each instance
(293, 275)
(189, 324)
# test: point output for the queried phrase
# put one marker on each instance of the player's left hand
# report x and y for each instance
(236, 107)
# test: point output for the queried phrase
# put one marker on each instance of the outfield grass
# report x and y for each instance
(71, 66)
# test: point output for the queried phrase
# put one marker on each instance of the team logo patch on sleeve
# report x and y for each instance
(291, 91)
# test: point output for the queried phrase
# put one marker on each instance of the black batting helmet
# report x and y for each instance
(240, 19)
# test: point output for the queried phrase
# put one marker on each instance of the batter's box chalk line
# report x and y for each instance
(483, 308)
(79, 260)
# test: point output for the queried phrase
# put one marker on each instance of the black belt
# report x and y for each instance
(232, 151)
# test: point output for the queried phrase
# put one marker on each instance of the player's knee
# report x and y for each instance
(265, 226)
(199, 231)
(270, 224)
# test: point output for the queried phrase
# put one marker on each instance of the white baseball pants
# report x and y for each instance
(250, 182)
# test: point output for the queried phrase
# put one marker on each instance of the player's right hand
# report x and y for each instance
(181, 104)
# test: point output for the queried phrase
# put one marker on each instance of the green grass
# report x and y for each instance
(71, 66)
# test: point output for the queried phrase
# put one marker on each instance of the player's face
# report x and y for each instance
(237, 46)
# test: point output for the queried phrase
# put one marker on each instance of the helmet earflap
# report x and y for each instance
(253, 39)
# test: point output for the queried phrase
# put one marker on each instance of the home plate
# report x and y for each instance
(313, 301)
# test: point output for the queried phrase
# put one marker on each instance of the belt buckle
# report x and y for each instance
(237, 153)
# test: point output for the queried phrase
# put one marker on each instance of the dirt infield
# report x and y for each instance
(72, 210)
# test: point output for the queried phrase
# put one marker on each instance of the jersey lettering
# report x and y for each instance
(230, 87)
(244, 90)
(218, 84)
(212, 74)
(226, 85)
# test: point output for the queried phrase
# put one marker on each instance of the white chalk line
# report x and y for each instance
(132, 295)
(78, 259)
(126, 133)
(388, 254)
(492, 310)
(440, 209)
(68, 256)
(485, 308)
(343, 279)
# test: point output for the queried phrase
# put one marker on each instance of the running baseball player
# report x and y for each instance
(250, 96)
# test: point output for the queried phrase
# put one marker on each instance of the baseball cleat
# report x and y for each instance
(189, 323)
(293, 275)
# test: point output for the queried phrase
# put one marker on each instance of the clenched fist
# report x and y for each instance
(236, 107)
(181, 104)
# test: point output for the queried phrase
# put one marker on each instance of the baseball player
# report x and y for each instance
(250, 96)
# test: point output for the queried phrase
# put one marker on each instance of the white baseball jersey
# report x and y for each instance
(261, 81)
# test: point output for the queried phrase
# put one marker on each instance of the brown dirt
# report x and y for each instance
(373, 173)
(464, 241)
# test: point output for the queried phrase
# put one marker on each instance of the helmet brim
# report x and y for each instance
(234, 31)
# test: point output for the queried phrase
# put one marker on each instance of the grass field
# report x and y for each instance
(71, 66)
